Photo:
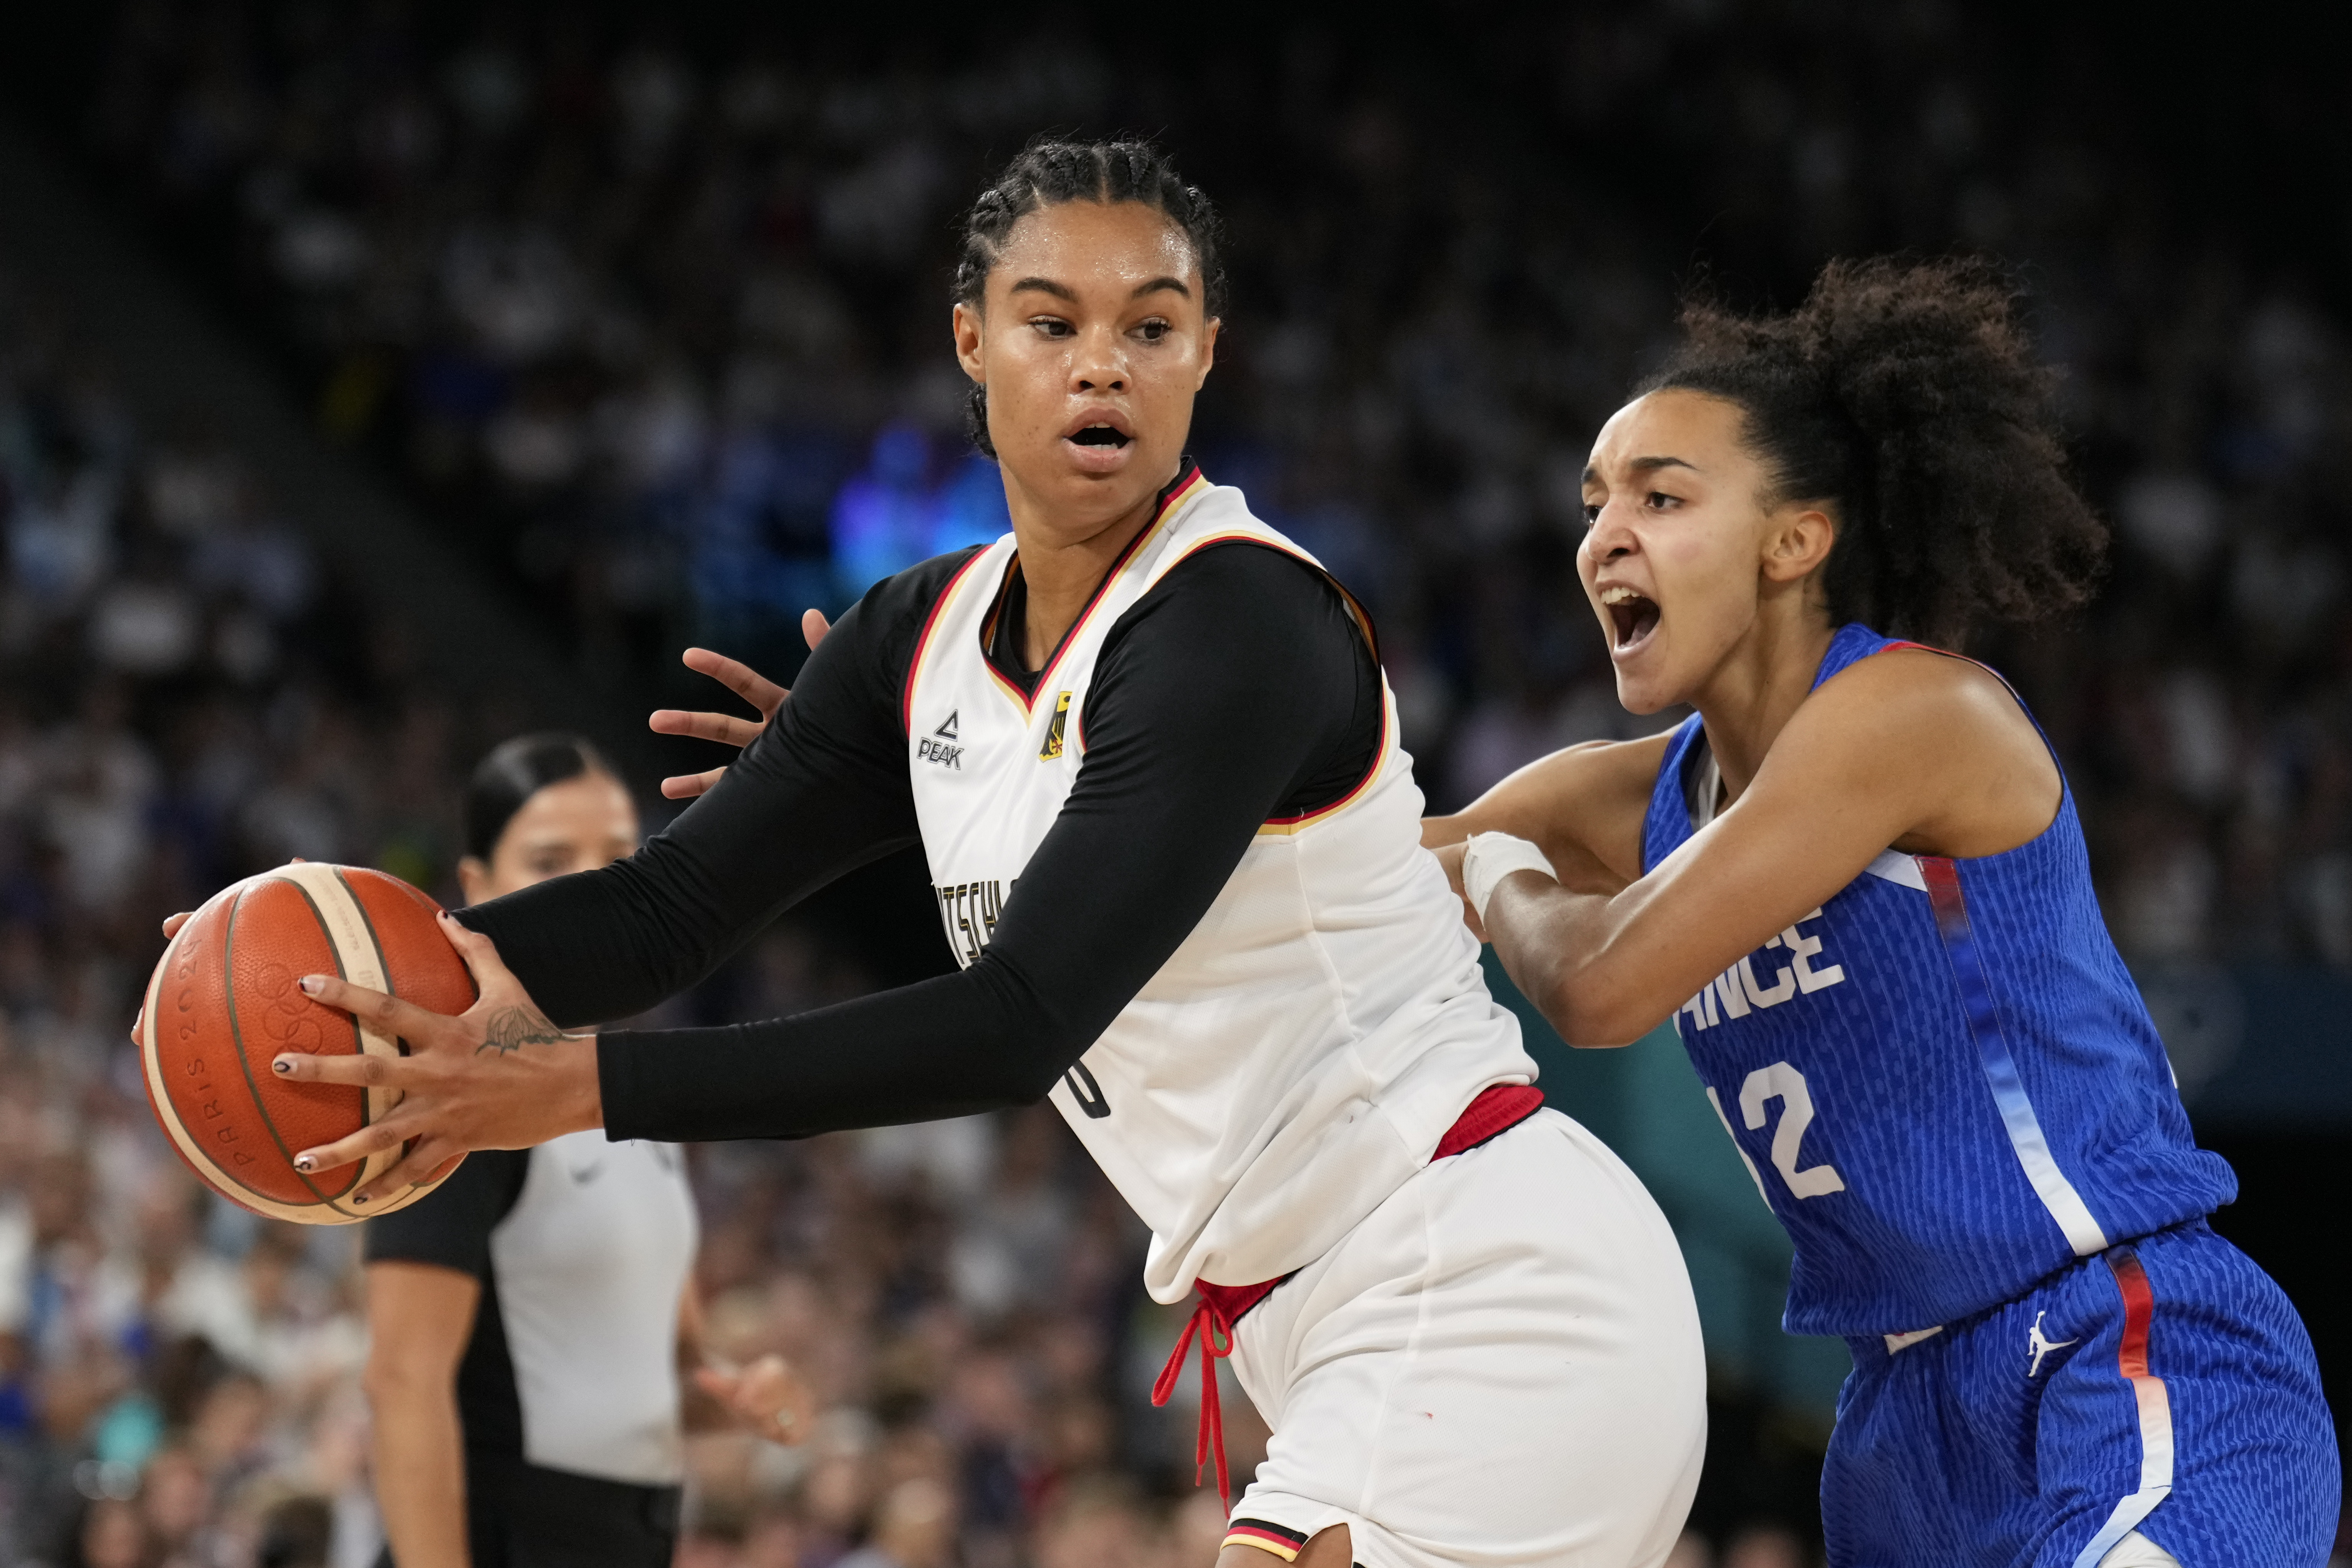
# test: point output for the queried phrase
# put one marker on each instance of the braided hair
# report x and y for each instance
(1049, 171)
(1905, 394)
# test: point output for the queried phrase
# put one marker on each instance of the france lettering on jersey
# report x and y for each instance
(1943, 1079)
(1304, 1050)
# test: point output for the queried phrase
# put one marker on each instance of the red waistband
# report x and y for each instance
(1498, 1109)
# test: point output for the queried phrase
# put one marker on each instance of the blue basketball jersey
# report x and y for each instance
(1943, 1079)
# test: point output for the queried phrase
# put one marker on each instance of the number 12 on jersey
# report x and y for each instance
(1780, 1082)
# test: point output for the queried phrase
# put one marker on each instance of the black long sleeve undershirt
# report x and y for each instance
(1236, 691)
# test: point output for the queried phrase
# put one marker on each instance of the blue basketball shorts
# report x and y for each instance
(2165, 1385)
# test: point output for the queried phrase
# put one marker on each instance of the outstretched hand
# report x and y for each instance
(768, 1397)
(497, 1076)
(725, 728)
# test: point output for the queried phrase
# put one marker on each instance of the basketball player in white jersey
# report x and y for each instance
(1145, 744)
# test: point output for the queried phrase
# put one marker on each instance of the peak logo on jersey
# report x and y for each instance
(1736, 992)
(935, 746)
(1053, 747)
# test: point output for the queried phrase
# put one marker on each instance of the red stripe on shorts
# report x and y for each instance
(1283, 1543)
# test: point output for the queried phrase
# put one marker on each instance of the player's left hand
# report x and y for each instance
(769, 1397)
(497, 1076)
(1450, 857)
(725, 728)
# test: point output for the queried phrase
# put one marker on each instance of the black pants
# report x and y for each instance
(520, 1515)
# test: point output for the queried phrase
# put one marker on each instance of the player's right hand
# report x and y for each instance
(498, 1076)
(728, 730)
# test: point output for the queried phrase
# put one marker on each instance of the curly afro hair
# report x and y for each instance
(1905, 396)
(1049, 171)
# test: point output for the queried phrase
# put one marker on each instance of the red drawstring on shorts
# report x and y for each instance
(1206, 1321)
(1496, 1109)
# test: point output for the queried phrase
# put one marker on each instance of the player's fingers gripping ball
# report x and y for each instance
(227, 1000)
(497, 1076)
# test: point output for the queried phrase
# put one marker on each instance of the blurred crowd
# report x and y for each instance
(184, 698)
(653, 318)
(661, 312)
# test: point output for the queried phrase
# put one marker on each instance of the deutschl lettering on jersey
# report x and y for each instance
(969, 911)
(1736, 991)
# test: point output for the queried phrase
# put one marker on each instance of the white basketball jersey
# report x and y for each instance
(1301, 1053)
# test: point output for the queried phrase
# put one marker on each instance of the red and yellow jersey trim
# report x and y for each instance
(1181, 492)
(1356, 610)
(923, 638)
(1283, 827)
(988, 636)
(1020, 699)
(1282, 1542)
(1185, 488)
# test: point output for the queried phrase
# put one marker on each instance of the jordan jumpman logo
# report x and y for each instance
(2040, 1346)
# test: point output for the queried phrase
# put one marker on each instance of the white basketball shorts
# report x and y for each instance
(1500, 1365)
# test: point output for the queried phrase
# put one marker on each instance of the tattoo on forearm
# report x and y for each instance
(511, 1029)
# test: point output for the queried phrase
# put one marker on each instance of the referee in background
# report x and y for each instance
(530, 1321)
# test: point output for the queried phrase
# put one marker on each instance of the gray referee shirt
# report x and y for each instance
(582, 1248)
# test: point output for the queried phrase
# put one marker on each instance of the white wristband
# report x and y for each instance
(1488, 857)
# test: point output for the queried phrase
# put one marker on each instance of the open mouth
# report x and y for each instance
(1632, 616)
(1100, 436)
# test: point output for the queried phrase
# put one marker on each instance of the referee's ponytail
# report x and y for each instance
(1906, 397)
(512, 773)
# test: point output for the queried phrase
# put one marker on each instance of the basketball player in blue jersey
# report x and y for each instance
(1146, 746)
(1856, 881)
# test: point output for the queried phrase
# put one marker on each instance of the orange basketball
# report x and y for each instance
(226, 999)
